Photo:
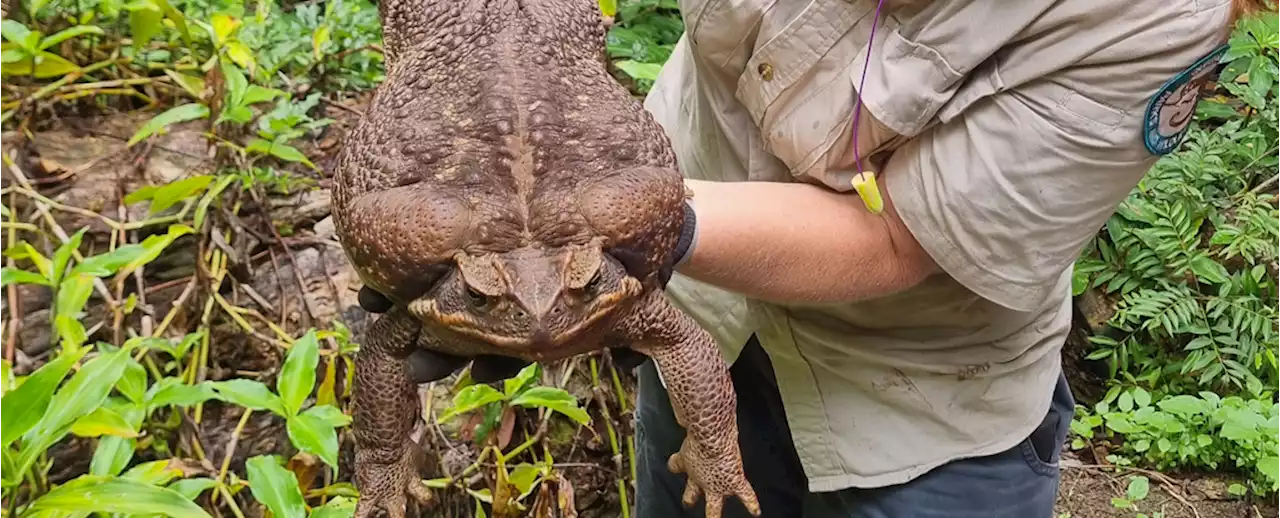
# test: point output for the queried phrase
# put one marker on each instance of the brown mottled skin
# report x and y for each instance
(513, 199)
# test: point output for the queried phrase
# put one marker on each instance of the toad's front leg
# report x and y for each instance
(702, 396)
(386, 408)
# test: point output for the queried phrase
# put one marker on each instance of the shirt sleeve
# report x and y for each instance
(1005, 197)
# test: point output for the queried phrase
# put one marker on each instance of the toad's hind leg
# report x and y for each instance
(386, 408)
(702, 397)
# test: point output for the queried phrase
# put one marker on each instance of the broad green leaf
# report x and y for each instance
(112, 455)
(513, 385)
(175, 115)
(241, 55)
(638, 70)
(49, 65)
(313, 435)
(15, 276)
(14, 31)
(298, 374)
(156, 473)
(102, 421)
(1141, 397)
(608, 7)
(255, 94)
(523, 476)
(249, 394)
(470, 398)
(1183, 405)
(223, 27)
(62, 256)
(145, 22)
(279, 150)
(329, 414)
(9, 475)
(168, 195)
(68, 33)
(1209, 270)
(174, 392)
(91, 493)
(1139, 488)
(553, 399)
(133, 384)
(339, 507)
(1270, 467)
(190, 488)
(24, 250)
(22, 408)
(275, 487)
(82, 394)
(235, 83)
(318, 40)
(193, 85)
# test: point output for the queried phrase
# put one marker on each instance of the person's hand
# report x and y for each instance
(426, 366)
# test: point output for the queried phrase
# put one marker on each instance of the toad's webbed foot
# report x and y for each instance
(702, 397)
(386, 408)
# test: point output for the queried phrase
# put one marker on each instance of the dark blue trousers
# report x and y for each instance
(1021, 482)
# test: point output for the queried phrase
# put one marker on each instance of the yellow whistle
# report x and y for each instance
(865, 184)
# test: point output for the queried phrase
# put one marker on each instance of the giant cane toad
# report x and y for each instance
(511, 198)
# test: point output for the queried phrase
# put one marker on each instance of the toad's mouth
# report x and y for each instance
(541, 344)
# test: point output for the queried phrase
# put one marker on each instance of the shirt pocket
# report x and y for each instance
(795, 85)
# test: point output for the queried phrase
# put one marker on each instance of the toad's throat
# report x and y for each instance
(540, 344)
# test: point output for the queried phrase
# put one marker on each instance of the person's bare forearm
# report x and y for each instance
(800, 243)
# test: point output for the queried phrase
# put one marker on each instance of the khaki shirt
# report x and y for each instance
(1006, 134)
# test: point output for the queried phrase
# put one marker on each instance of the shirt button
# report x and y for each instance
(766, 71)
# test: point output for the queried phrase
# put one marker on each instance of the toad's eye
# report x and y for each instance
(593, 285)
(476, 299)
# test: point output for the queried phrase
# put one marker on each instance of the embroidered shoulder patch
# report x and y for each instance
(1170, 112)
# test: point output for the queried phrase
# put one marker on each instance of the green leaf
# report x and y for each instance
(1141, 397)
(174, 392)
(1237, 490)
(112, 455)
(125, 259)
(175, 115)
(103, 421)
(339, 507)
(68, 33)
(313, 435)
(638, 70)
(319, 38)
(470, 398)
(298, 374)
(1270, 467)
(329, 414)
(255, 94)
(155, 473)
(22, 408)
(608, 7)
(169, 194)
(1209, 270)
(1139, 488)
(133, 384)
(241, 55)
(190, 488)
(62, 256)
(15, 276)
(282, 151)
(275, 487)
(193, 85)
(145, 22)
(554, 399)
(24, 250)
(513, 385)
(1125, 402)
(1182, 405)
(249, 394)
(14, 31)
(51, 65)
(98, 494)
(202, 208)
(82, 394)
(223, 27)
